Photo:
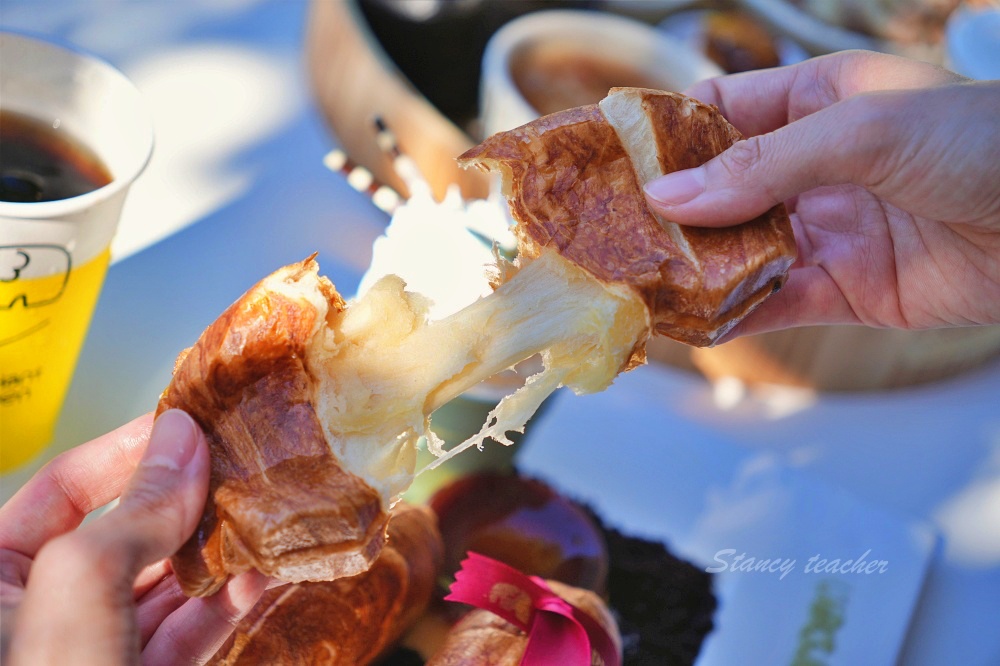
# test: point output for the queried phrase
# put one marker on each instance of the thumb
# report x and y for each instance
(847, 142)
(164, 499)
(80, 589)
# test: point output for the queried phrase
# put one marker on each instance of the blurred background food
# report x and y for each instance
(905, 22)
(418, 64)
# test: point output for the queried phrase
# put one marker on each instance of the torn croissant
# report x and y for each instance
(574, 182)
(350, 621)
(313, 407)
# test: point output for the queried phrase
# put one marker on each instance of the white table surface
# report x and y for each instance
(238, 155)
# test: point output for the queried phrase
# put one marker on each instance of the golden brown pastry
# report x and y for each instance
(313, 408)
(574, 181)
(279, 501)
(481, 638)
(350, 621)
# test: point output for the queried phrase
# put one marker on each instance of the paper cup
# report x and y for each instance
(54, 254)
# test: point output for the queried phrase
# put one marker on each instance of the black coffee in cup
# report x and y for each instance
(41, 163)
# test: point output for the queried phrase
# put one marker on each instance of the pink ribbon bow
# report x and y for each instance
(558, 633)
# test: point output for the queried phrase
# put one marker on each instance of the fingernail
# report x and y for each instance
(677, 188)
(172, 442)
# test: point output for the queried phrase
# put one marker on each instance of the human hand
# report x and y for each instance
(104, 593)
(890, 171)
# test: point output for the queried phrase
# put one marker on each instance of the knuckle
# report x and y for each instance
(149, 498)
(858, 58)
(874, 151)
(180, 642)
(60, 474)
(14, 568)
(741, 157)
(752, 165)
(155, 507)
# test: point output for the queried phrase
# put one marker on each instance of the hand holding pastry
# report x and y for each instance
(889, 169)
(104, 593)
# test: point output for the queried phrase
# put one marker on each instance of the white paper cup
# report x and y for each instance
(595, 38)
(54, 254)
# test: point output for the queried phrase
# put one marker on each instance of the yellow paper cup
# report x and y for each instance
(54, 254)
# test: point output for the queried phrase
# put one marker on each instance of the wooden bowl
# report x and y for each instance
(354, 80)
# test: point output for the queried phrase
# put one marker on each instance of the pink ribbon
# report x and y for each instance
(558, 633)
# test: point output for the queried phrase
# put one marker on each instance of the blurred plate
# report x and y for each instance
(639, 455)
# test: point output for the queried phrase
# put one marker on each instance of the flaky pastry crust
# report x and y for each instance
(574, 182)
(279, 501)
(349, 621)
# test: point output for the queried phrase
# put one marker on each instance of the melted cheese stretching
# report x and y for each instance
(383, 368)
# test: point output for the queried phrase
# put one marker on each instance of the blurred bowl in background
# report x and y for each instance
(734, 39)
(558, 59)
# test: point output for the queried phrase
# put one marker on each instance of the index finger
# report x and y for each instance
(754, 102)
(762, 101)
(74, 483)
